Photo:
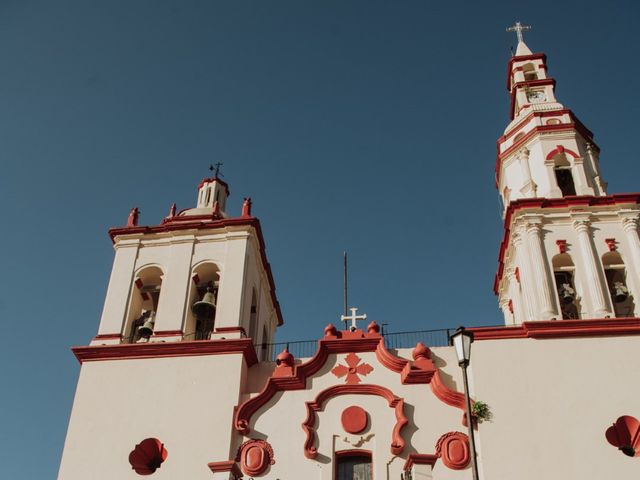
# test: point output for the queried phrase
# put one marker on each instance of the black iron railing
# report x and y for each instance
(307, 348)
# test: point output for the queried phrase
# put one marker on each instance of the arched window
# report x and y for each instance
(253, 316)
(353, 465)
(143, 305)
(563, 273)
(529, 72)
(201, 308)
(616, 274)
(564, 178)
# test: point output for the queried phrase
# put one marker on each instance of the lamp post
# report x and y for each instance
(461, 340)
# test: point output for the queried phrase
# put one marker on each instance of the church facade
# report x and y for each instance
(173, 387)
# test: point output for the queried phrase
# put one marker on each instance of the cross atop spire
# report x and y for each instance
(354, 318)
(519, 28)
(216, 169)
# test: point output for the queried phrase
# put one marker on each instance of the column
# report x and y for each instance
(580, 177)
(540, 269)
(554, 190)
(595, 282)
(601, 187)
(527, 283)
(630, 222)
(528, 186)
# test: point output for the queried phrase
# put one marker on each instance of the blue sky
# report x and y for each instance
(361, 125)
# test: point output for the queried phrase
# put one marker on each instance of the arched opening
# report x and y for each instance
(564, 178)
(253, 316)
(201, 308)
(143, 305)
(563, 273)
(616, 274)
(353, 465)
(529, 72)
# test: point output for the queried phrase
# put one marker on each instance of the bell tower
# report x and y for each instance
(570, 250)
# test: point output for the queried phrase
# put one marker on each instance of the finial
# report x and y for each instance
(519, 28)
(246, 207)
(216, 169)
(132, 221)
(172, 211)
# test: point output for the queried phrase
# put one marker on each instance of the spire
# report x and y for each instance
(522, 48)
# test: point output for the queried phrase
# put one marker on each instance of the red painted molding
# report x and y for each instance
(352, 370)
(560, 149)
(255, 456)
(354, 419)
(562, 246)
(214, 179)
(625, 435)
(231, 330)
(611, 244)
(564, 202)
(147, 456)
(108, 336)
(167, 349)
(599, 327)
(167, 333)
(445, 394)
(225, 466)
(419, 459)
(397, 403)
(453, 448)
(207, 223)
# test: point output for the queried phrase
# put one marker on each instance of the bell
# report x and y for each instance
(567, 294)
(146, 330)
(620, 292)
(206, 307)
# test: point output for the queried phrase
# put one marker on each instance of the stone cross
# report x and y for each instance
(519, 28)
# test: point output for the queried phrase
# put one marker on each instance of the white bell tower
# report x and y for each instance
(570, 250)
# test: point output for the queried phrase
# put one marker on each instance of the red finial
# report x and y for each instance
(172, 211)
(246, 207)
(284, 359)
(132, 221)
(611, 243)
(421, 351)
(373, 327)
(330, 330)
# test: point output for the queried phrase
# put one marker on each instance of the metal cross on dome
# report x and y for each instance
(354, 318)
(216, 169)
(519, 28)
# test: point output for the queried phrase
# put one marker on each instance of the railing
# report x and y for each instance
(307, 348)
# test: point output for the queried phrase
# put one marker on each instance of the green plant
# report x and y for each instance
(481, 411)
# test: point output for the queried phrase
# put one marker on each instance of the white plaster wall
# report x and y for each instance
(186, 402)
(552, 401)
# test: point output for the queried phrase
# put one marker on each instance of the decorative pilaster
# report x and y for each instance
(580, 177)
(528, 186)
(513, 308)
(526, 280)
(593, 273)
(540, 269)
(630, 221)
(554, 190)
(592, 155)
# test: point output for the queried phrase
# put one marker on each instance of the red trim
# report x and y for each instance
(562, 246)
(354, 419)
(445, 394)
(527, 83)
(231, 330)
(397, 403)
(249, 464)
(564, 202)
(167, 333)
(419, 459)
(108, 336)
(599, 327)
(453, 448)
(207, 223)
(214, 179)
(225, 466)
(611, 244)
(522, 58)
(167, 349)
(560, 149)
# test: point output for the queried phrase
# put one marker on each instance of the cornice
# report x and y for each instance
(167, 349)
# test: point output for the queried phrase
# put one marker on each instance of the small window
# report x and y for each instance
(563, 270)
(354, 466)
(518, 137)
(554, 121)
(529, 72)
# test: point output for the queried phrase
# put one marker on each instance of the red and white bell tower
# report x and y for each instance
(569, 250)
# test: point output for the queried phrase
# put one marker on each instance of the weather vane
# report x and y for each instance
(519, 28)
(216, 169)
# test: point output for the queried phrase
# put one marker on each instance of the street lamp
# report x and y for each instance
(461, 340)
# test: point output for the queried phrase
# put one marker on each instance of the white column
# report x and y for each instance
(594, 279)
(526, 280)
(554, 190)
(540, 269)
(120, 284)
(580, 177)
(528, 188)
(601, 187)
(630, 222)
